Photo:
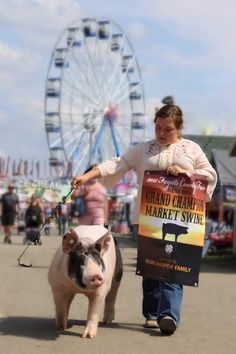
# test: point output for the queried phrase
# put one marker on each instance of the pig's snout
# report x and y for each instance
(96, 281)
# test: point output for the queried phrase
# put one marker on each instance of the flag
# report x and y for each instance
(7, 166)
(38, 168)
(3, 165)
(32, 168)
(19, 168)
(14, 168)
(26, 168)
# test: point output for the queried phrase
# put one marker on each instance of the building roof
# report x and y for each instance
(210, 142)
(225, 166)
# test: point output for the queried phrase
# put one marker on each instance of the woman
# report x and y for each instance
(34, 218)
(93, 195)
(168, 151)
(34, 215)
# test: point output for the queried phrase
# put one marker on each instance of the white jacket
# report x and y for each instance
(151, 156)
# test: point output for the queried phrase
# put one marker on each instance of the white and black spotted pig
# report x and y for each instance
(88, 262)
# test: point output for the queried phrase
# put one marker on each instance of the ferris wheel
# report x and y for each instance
(94, 95)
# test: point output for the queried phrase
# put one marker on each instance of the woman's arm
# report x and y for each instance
(201, 166)
(82, 179)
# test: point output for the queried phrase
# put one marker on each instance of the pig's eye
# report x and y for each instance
(98, 247)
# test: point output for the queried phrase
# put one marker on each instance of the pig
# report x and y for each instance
(170, 228)
(88, 262)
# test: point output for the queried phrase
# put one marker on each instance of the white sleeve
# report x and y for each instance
(203, 167)
(112, 170)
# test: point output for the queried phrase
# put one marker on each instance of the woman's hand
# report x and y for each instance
(76, 193)
(78, 181)
(175, 170)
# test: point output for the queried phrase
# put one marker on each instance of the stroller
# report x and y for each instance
(32, 225)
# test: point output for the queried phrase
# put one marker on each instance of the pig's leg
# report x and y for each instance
(95, 304)
(62, 302)
(69, 301)
(109, 310)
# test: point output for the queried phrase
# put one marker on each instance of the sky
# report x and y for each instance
(185, 48)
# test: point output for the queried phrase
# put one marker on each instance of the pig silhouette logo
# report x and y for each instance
(173, 229)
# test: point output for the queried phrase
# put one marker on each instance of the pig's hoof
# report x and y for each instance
(108, 317)
(61, 326)
(89, 332)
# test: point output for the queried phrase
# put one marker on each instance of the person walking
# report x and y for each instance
(34, 214)
(10, 208)
(62, 214)
(34, 218)
(169, 152)
(94, 199)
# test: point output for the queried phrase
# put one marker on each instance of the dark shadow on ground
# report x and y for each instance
(32, 327)
(44, 328)
(223, 263)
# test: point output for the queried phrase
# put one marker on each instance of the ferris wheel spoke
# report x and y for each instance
(74, 85)
(123, 78)
(84, 76)
(57, 142)
(76, 148)
(130, 90)
(117, 66)
(121, 91)
(70, 141)
(104, 64)
(122, 84)
(91, 65)
(85, 152)
(79, 92)
(116, 77)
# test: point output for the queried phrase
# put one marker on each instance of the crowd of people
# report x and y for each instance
(90, 206)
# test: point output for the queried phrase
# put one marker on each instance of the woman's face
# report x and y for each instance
(166, 132)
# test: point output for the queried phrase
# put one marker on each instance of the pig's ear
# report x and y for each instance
(69, 240)
(103, 243)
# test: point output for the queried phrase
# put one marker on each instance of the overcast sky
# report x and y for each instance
(185, 48)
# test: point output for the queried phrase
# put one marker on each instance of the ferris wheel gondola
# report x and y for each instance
(94, 96)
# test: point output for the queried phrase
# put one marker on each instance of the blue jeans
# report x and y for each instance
(61, 225)
(161, 298)
(135, 231)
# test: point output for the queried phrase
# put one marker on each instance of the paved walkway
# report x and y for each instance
(27, 310)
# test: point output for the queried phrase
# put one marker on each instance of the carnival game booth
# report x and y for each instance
(222, 209)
